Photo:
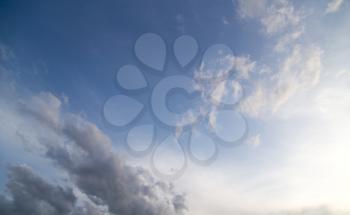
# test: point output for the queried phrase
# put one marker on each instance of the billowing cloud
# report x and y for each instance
(32, 195)
(86, 154)
(45, 107)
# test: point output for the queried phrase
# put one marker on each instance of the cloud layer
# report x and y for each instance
(101, 181)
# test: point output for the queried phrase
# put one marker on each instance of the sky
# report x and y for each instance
(191, 107)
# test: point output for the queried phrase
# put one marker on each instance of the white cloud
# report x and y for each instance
(254, 140)
(333, 6)
(244, 65)
(279, 16)
(275, 15)
(300, 70)
(287, 39)
(212, 80)
(251, 8)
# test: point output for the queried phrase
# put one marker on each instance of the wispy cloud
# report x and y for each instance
(275, 16)
(279, 19)
(297, 69)
(333, 6)
(254, 140)
(215, 84)
(300, 70)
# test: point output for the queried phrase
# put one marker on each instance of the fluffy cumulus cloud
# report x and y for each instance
(334, 5)
(99, 181)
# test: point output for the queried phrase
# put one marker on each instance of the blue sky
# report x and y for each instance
(282, 63)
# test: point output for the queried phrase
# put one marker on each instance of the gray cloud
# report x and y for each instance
(32, 195)
(94, 170)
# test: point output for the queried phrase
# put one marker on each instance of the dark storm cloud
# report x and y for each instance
(93, 168)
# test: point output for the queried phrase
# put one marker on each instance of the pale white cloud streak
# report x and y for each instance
(296, 70)
(299, 71)
(333, 6)
(275, 16)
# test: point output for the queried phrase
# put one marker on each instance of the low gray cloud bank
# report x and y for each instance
(101, 183)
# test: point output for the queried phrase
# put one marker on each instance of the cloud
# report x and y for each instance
(279, 19)
(300, 70)
(45, 107)
(322, 210)
(85, 154)
(213, 79)
(279, 16)
(214, 83)
(287, 39)
(254, 140)
(333, 6)
(32, 195)
(275, 16)
(251, 8)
